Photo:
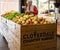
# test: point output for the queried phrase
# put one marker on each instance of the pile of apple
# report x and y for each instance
(26, 19)
(30, 20)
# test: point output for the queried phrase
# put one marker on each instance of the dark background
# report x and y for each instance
(23, 3)
(58, 1)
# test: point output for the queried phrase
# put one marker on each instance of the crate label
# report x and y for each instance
(36, 36)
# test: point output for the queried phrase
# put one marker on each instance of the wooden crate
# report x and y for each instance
(37, 37)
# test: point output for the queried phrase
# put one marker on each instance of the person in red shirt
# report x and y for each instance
(32, 9)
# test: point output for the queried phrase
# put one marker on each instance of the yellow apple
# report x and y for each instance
(35, 22)
(23, 22)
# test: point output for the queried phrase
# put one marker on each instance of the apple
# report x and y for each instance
(26, 23)
(40, 19)
(17, 17)
(35, 22)
(41, 22)
(19, 22)
(23, 22)
(45, 22)
(35, 18)
(24, 18)
(31, 22)
(21, 18)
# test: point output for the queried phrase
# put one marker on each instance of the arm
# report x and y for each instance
(27, 10)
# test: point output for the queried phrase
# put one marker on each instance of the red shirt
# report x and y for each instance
(35, 11)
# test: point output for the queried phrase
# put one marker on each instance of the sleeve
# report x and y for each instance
(35, 10)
